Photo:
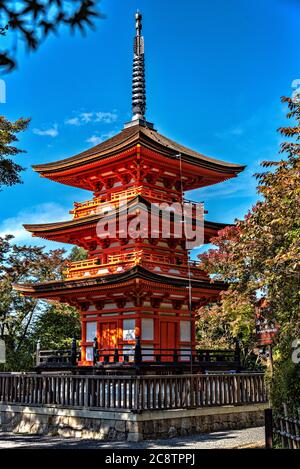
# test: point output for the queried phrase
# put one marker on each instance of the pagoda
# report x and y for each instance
(133, 289)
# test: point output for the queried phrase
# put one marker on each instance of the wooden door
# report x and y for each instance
(108, 338)
(167, 340)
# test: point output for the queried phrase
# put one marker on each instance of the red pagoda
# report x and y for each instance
(132, 289)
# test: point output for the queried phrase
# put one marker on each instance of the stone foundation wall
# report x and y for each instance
(110, 425)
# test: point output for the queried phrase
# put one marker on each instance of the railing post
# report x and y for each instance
(37, 353)
(73, 353)
(95, 351)
(175, 356)
(239, 393)
(87, 392)
(138, 351)
(116, 356)
(268, 428)
(136, 397)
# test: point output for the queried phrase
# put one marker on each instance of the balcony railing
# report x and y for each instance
(141, 354)
(121, 262)
(145, 355)
(99, 204)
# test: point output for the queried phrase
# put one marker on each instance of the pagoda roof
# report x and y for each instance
(59, 287)
(129, 137)
(48, 230)
(44, 228)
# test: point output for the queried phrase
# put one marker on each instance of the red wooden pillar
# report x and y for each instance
(138, 327)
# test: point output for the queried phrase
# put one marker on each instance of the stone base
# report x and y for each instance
(110, 425)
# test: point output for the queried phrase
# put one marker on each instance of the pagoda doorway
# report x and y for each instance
(108, 334)
(168, 339)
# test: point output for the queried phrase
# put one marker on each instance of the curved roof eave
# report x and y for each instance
(136, 272)
(129, 137)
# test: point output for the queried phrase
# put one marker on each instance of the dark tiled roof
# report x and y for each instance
(62, 225)
(139, 272)
(93, 219)
(128, 137)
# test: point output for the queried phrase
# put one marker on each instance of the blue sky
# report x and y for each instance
(215, 72)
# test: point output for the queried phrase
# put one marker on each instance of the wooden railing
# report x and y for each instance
(58, 357)
(93, 267)
(132, 393)
(96, 205)
(93, 206)
(140, 354)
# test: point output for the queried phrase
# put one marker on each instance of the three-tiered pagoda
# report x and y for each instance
(132, 287)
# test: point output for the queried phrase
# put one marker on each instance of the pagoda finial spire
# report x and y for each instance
(138, 24)
(138, 75)
(138, 79)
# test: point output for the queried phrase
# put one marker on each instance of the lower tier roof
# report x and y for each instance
(59, 288)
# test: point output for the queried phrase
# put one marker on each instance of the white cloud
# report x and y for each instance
(83, 118)
(52, 132)
(42, 213)
(86, 117)
(96, 139)
(106, 117)
(73, 121)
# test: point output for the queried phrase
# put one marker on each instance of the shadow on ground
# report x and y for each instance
(225, 439)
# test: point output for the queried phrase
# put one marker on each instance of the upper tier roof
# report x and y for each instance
(129, 137)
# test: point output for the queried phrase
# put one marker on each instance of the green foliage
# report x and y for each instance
(260, 255)
(19, 315)
(213, 328)
(10, 171)
(285, 385)
(77, 254)
(57, 326)
(33, 21)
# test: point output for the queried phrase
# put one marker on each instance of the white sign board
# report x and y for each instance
(2, 351)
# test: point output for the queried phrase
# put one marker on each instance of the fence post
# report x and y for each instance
(137, 403)
(86, 391)
(287, 426)
(138, 351)
(269, 428)
(37, 353)
(95, 351)
(116, 356)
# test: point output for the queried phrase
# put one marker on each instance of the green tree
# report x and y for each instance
(59, 323)
(285, 385)
(33, 21)
(56, 326)
(77, 254)
(9, 170)
(23, 264)
(25, 320)
(260, 255)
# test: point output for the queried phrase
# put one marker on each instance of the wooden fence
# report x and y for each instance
(135, 393)
(288, 428)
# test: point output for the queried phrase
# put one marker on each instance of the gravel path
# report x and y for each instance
(225, 439)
